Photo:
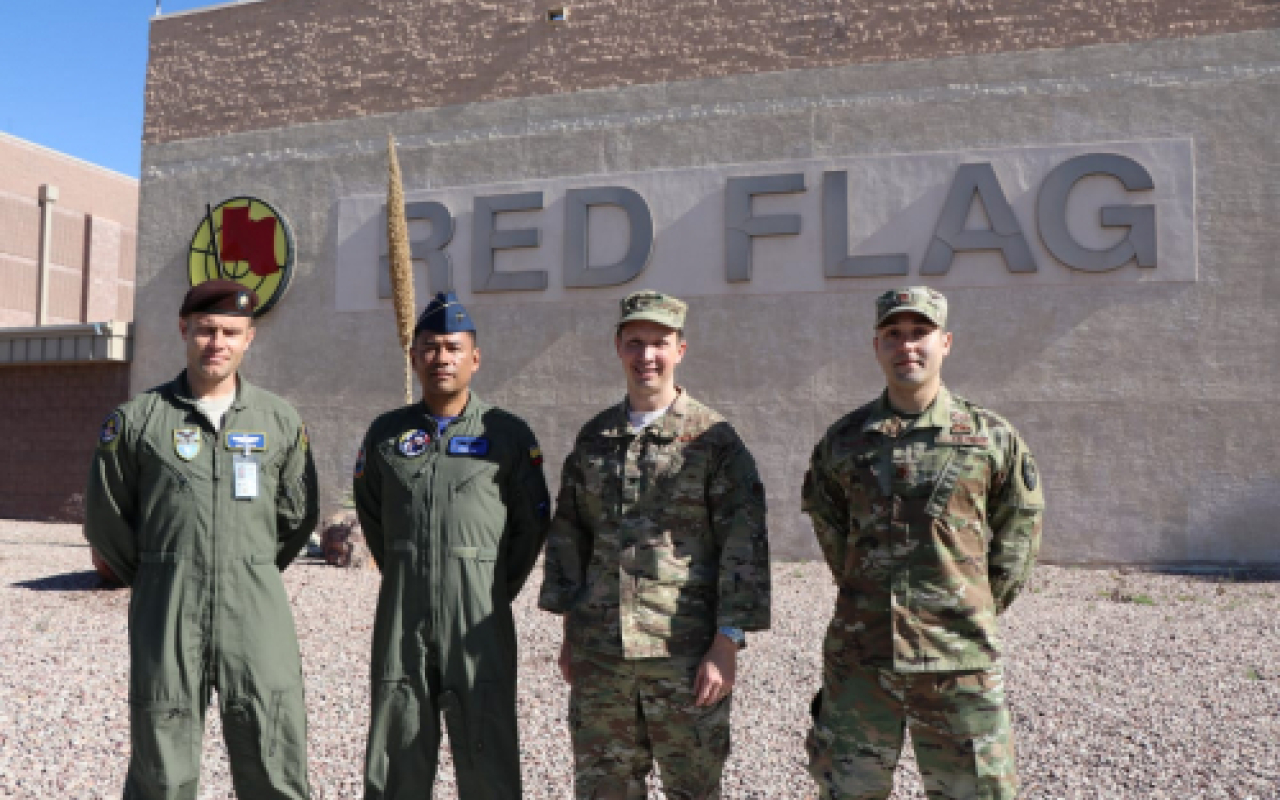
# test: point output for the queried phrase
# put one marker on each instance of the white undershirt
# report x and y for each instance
(214, 409)
(642, 419)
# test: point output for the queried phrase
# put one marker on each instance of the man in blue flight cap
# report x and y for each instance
(455, 510)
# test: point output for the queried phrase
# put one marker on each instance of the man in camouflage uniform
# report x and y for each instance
(202, 490)
(658, 557)
(928, 511)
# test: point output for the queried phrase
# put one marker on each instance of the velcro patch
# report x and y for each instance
(1030, 477)
(239, 440)
(468, 446)
(111, 428)
(950, 438)
(412, 444)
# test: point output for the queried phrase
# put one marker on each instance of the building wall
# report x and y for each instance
(93, 243)
(1149, 415)
(50, 424)
(267, 64)
(50, 413)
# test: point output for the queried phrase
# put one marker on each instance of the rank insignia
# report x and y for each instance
(110, 429)
(239, 440)
(535, 456)
(186, 443)
(358, 472)
(468, 446)
(412, 444)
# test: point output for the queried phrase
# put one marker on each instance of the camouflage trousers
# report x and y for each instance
(959, 724)
(625, 715)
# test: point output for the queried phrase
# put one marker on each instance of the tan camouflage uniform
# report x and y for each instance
(930, 527)
(658, 539)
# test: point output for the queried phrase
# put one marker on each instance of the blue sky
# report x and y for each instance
(72, 73)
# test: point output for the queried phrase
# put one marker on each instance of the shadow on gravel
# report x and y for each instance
(87, 580)
(1240, 575)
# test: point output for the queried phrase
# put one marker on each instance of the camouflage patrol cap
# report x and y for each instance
(922, 300)
(655, 307)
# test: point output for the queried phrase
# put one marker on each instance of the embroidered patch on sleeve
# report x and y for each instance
(535, 456)
(111, 428)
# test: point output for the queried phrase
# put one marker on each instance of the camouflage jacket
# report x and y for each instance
(659, 535)
(930, 532)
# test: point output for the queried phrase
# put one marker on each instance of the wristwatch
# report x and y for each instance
(734, 635)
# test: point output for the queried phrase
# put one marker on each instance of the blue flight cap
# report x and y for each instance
(444, 314)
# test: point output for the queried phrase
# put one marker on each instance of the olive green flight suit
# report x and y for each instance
(455, 522)
(208, 609)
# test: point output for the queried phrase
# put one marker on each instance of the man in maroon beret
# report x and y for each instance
(202, 490)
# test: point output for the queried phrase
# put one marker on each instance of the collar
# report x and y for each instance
(937, 415)
(180, 388)
(474, 408)
(665, 428)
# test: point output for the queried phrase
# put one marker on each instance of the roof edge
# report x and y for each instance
(215, 7)
(20, 142)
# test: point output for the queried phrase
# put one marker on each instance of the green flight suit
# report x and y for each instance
(208, 608)
(455, 521)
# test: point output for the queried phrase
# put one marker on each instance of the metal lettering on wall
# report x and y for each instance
(1117, 212)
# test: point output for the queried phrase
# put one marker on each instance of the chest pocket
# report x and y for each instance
(673, 471)
(404, 469)
(957, 468)
(478, 477)
(602, 467)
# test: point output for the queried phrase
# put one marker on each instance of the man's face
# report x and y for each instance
(216, 344)
(444, 362)
(649, 354)
(911, 349)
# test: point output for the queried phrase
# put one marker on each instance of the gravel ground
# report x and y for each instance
(1122, 685)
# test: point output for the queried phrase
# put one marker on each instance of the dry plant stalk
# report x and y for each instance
(401, 263)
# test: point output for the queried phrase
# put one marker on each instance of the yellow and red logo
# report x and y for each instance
(246, 240)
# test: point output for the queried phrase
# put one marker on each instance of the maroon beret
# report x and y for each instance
(219, 297)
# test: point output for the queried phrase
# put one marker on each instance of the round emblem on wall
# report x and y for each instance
(246, 240)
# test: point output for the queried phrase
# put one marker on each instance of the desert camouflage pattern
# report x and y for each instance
(930, 530)
(653, 306)
(614, 746)
(921, 299)
(659, 535)
(959, 724)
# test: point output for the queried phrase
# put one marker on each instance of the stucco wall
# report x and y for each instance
(1147, 403)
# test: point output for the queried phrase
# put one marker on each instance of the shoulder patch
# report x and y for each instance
(111, 428)
(304, 441)
(1030, 477)
(535, 456)
(358, 472)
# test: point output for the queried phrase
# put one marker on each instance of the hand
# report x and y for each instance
(717, 672)
(566, 662)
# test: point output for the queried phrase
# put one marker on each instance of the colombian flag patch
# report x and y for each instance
(535, 456)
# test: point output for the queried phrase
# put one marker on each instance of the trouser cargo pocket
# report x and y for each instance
(163, 735)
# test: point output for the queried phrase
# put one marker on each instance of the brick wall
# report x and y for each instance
(93, 244)
(49, 426)
(275, 63)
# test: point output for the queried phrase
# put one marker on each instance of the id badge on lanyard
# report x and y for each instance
(244, 485)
